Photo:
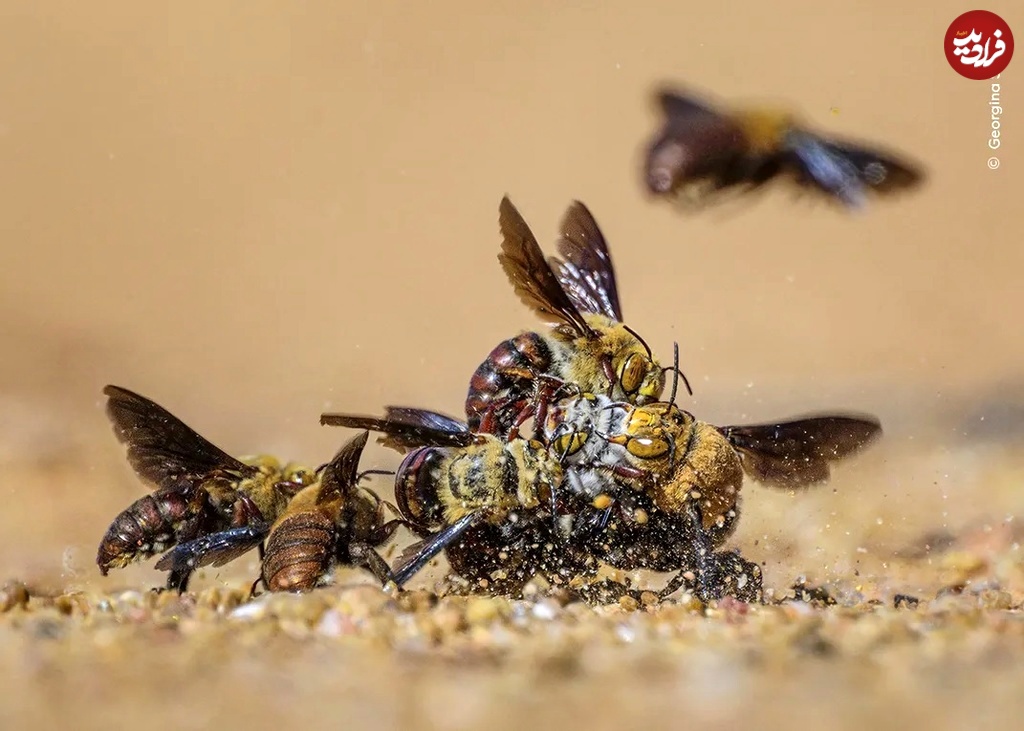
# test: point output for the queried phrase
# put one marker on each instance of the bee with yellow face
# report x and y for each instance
(589, 349)
(661, 490)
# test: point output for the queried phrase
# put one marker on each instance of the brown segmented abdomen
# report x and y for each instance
(299, 552)
(506, 373)
(150, 525)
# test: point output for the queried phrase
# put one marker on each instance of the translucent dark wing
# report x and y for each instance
(679, 106)
(161, 448)
(214, 549)
(825, 167)
(530, 274)
(847, 170)
(342, 473)
(796, 453)
(418, 555)
(408, 428)
(880, 171)
(585, 267)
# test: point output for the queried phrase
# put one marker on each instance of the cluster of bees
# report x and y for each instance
(569, 458)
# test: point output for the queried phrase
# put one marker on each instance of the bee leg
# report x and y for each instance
(370, 559)
(631, 473)
(537, 410)
(546, 390)
(677, 582)
(384, 532)
(252, 589)
(245, 513)
(491, 421)
(744, 577)
(609, 372)
(553, 506)
(178, 581)
(708, 579)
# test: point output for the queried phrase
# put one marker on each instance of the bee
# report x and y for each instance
(702, 151)
(330, 522)
(478, 498)
(589, 349)
(199, 488)
(676, 482)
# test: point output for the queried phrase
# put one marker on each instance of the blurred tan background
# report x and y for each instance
(252, 212)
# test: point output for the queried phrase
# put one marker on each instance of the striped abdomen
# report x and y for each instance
(299, 552)
(150, 525)
(506, 374)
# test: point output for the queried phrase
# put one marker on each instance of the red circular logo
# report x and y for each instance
(978, 45)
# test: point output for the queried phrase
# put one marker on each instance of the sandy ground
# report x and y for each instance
(256, 212)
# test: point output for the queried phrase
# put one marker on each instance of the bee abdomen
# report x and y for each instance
(511, 363)
(299, 551)
(148, 526)
(416, 482)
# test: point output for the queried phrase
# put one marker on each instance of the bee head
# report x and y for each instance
(299, 475)
(637, 373)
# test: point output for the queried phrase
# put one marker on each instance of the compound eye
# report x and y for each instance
(631, 375)
(300, 477)
(648, 447)
(569, 444)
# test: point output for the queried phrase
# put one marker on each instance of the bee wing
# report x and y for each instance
(678, 106)
(881, 171)
(161, 448)
(530, 274)
(213, 549)
(420, 554)
(342, 473)
(585, 268)
(407, 428)
(797, 453)
(846, 170)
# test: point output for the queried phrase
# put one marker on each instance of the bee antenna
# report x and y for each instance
(676, 374)
(643, 342)
(366, 473)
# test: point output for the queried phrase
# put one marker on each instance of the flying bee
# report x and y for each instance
(589, 349)
(200, 489)
(474, 496)
(701, 151)
(330, 522)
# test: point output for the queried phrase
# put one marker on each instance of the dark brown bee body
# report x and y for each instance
(299, 551)
(199, 489)
(151, 525)
(504, 381)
